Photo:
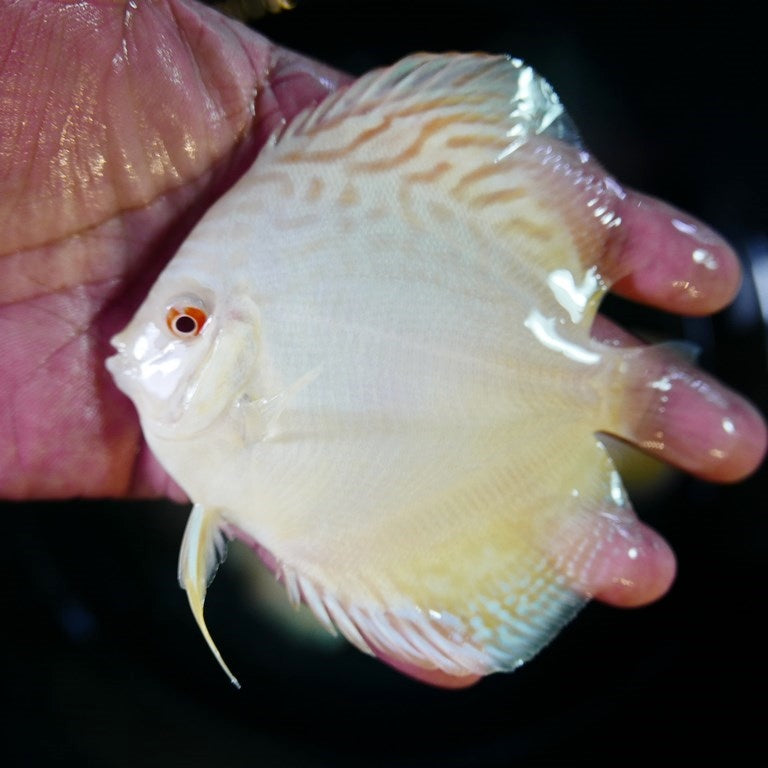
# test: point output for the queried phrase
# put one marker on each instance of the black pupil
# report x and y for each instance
(185, 324)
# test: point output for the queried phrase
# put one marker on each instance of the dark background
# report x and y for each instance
(102, 662)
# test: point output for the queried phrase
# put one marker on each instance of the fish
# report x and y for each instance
(371, 361)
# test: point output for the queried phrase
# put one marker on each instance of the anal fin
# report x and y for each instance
(467, 643)
(203, 549)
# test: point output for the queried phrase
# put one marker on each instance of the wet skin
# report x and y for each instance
(118, 127)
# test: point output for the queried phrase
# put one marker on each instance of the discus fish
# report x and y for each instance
(371, 360)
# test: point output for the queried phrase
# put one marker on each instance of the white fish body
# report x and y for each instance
(384, 375)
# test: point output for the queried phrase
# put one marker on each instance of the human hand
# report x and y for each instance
(107, 177)
(118, 126)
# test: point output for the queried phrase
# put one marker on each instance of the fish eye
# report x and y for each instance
(185, 322)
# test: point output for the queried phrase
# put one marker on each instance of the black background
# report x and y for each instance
(103, 664)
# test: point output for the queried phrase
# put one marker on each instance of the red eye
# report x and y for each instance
(185, 322)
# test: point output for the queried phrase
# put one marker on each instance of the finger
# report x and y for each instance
(615, 558)
(644, 250)
(637, 568)
(682, 415)
(687, 418)
(664, 258)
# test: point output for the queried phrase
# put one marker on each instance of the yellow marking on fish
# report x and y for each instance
(430, 175)
(478, 142)
(496, 197)
(315, 189)
(349, 195)
(518, 225)
(427, 131)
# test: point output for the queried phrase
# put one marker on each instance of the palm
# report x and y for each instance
(134, 124)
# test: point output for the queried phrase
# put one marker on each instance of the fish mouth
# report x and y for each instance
(179, 390)
(155, 380)
(138, 366)
(120, 367)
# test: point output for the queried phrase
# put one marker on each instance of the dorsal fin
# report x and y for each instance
(203, 549)
(497, 85)
(472, 145)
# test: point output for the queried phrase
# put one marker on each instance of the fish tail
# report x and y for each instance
(203, 548)
(671, 409)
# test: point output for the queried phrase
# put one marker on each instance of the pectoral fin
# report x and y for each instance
(203, 548)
